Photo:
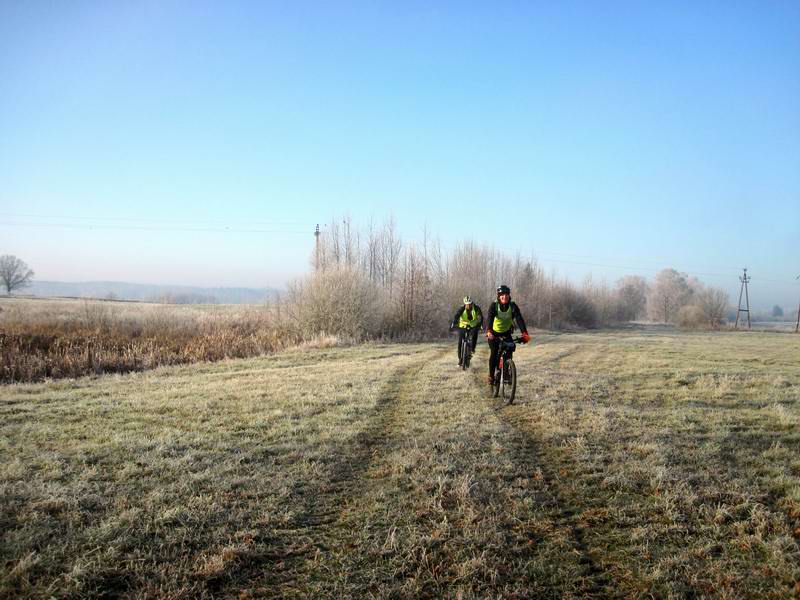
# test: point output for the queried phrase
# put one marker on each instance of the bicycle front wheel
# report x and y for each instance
(498, 381)
(510, 388)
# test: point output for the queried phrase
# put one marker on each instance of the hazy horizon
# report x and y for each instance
(757, 301)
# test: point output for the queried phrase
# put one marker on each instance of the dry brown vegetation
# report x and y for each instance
(633, 464)
(70, 338)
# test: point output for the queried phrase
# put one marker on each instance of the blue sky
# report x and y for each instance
(606, 138)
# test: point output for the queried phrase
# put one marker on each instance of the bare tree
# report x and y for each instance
(602, 298)
(389, 255)
(378, 259)
(669, 292)
(14, 273)
(631, 294)
(714, 303)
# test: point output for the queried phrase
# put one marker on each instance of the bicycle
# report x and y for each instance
(505, 375)
(466, 349)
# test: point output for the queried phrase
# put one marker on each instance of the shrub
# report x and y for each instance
(691, 317)
(571, 307)
(339, 301)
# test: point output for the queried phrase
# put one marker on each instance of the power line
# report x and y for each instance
(146, 228)
(149, 220)
(298, 231)
(695, 272)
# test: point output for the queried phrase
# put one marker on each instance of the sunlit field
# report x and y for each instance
(632, 464)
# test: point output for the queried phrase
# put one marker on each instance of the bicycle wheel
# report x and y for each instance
(510, 388)
(498, 381)
(467, 354)
(464, 362)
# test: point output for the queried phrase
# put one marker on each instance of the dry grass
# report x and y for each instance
(70, 338)
(632, 465)
(679, 455)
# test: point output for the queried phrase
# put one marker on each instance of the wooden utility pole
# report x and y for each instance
(316, 248)
(744, 279)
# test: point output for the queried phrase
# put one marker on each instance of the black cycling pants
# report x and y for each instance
(461, 333)
(494, 347)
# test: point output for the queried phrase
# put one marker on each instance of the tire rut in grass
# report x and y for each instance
(530, 454)
(428, 502)
(567, 514)
(318, 524)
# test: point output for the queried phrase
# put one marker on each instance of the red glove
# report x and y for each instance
(525, 337)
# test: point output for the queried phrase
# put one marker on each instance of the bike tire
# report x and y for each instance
(498, 381)
(464, 358)
(512, 382)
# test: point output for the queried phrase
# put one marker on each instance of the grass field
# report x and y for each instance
(632, 464)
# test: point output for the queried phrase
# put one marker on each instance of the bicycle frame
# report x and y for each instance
(507, 348)
(466, 347)
(505, 363)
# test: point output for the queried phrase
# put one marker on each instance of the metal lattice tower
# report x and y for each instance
(745, 280)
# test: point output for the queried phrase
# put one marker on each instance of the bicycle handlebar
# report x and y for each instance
(519, 339)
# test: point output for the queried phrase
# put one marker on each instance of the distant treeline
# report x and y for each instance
(164, 294)
(369, 282)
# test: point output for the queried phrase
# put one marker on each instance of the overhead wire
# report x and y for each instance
(542, 255)
(90, 226)
(700, 272)
(129, 219)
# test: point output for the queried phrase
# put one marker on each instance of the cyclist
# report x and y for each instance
(468, 315)
(500, 325)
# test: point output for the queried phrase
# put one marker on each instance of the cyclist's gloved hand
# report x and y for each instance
(525, 337)
(489, 334)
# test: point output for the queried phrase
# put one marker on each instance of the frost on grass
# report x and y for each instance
(629, 465)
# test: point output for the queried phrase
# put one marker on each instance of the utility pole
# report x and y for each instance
(316, 248)
(797, 325)
(744, 279)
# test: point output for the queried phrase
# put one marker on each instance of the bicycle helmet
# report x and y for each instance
(467, 300)
(504, 289)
